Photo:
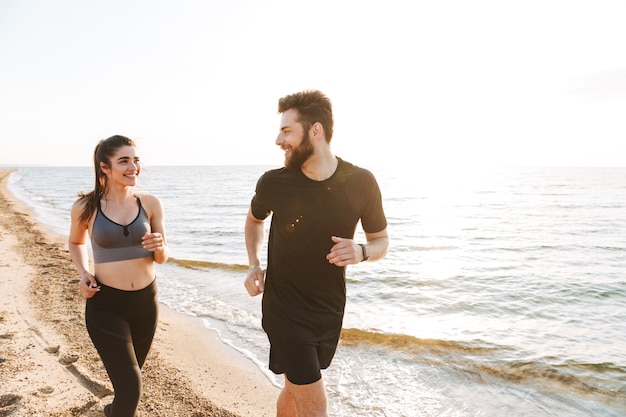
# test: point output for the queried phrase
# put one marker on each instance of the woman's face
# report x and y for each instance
(124, 168)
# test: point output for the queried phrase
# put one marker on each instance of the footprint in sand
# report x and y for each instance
(8, 403)
(68, 359)
(47, 390)
(53, 350)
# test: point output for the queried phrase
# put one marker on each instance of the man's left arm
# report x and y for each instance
(377, 245)
(349, 252)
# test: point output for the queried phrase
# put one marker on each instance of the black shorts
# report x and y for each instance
(301, 362)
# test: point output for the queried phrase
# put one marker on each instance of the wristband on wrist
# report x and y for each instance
(366, 251)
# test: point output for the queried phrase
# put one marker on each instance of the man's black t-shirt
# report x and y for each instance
(305, 295)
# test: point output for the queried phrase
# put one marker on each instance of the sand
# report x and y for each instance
(49, 367)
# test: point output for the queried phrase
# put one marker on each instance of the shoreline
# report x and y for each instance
(48, 366)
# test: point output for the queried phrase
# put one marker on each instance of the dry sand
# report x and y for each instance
(49, 367)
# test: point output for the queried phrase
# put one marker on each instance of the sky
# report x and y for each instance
(413, 83)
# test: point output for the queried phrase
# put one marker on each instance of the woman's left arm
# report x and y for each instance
(156, 241)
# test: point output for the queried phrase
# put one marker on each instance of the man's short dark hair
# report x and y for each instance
(312, 106)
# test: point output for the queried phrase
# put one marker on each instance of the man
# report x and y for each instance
(316, 202)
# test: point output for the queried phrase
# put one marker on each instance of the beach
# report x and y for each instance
(503, 293)
(49, 367)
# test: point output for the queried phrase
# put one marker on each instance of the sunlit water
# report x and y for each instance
(503, 293)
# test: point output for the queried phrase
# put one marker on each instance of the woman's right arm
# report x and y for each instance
(77, 246)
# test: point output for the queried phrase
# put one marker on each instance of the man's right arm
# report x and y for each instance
(254, 234)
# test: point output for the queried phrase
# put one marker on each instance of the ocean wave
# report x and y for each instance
(489, 363)
(193, 264)
(411, 344)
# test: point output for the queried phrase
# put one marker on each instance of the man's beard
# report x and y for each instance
(300, 154)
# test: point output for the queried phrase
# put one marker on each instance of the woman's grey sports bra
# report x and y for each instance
(113, 242)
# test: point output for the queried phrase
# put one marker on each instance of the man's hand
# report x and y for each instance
(255, 281)
(344, 252)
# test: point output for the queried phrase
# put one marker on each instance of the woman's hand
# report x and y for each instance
(153, 242)
(88, 285)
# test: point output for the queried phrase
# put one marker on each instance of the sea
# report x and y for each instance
(503, 292)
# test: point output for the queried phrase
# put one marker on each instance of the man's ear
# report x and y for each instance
(317, 130)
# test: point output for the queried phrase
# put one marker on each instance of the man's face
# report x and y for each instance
(294, 141)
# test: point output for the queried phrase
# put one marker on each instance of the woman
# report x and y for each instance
(127, 236)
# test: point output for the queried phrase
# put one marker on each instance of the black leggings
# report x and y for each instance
(121, 325)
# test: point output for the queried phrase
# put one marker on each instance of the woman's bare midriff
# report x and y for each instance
(130, 275)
